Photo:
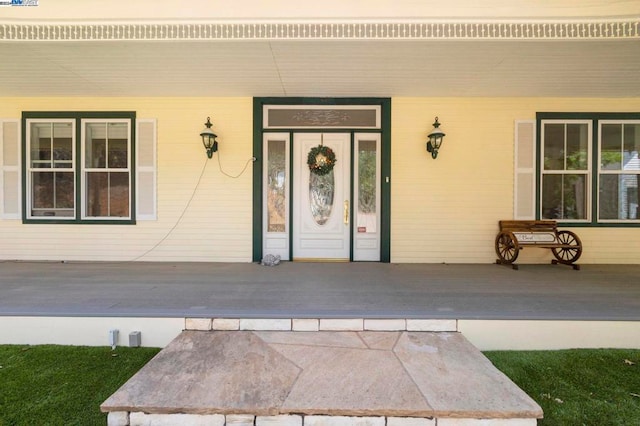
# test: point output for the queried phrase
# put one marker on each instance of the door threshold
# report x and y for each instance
(319, 260)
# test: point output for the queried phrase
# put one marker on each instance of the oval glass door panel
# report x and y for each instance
(321, 191)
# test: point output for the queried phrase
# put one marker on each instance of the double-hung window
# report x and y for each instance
(79, 167)
(618, 170)
(588, 168)
(566, 150)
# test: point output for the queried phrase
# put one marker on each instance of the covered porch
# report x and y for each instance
(320, 290)
(539, 306)
(449, 304)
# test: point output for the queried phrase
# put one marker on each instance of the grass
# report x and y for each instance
(65, 385)
(578, 387)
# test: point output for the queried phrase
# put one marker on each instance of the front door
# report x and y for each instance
(320, 213)
(321, 196)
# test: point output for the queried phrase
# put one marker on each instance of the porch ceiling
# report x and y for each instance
(430, 68)
(430, 48)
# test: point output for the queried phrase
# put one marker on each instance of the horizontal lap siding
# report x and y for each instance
(216, 225)
(443, 210)
(447, 209)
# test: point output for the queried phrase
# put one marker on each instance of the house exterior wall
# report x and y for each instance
(447, 210)
(443, 210)
(216, 226)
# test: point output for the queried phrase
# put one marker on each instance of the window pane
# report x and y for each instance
(119, 194)
(51, 145)
(619, 196)
(95, 145)
(118, 154)
(276, 179)
(577, 149)
(361, 117)
(97, 194)
(630, 158)
(611, 147)
(41, 145)
(53, 194)
(554, 146)
(107, 194)
(321, 192)
(106, 145)
(62, 153)
(366, 219)
(62, 145)
(564, 196)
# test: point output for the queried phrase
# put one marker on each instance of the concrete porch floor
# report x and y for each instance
(325, 378)
(320, 290)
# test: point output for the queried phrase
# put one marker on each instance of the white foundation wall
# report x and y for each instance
(87, 331)
(484, 334)
(489, 335)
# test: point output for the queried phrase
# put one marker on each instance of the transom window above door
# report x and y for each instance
(320, 116)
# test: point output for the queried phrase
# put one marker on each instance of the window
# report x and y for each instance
(589, 170)
(78, 167)
(618, 170)
(565, 170)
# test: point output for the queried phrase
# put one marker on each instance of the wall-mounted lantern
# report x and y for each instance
(209, 138)
(435, 139)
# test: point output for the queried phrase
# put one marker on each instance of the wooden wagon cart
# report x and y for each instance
(515, 235)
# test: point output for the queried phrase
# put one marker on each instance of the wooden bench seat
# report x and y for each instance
(515, 235)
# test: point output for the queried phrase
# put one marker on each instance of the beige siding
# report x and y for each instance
(443, 210)
(216, 226)
(447, 210)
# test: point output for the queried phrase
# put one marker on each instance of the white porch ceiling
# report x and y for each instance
(562, 68)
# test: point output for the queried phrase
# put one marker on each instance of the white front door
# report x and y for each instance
(321, 202)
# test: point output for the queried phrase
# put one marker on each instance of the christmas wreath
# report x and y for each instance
(321, 160)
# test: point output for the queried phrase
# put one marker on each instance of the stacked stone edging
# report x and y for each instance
(142, 419)
(319, 324)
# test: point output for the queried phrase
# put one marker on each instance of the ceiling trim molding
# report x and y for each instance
(543, 30)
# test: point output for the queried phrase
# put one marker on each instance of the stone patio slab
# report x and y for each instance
(455, 377)
(400, 374)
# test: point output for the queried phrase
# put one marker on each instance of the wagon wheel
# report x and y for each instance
(507, 247)
(568, 254)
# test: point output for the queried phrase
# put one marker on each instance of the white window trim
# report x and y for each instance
(276, 243)
(29, 168)
(84, 170)
(588, 172)
(366, 245)
(612, 172)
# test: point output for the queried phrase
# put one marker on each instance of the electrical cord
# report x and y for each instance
(184, 211)
(193, 194)
(250, 160)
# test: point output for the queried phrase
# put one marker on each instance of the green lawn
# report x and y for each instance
(578, 387)
(65, 385)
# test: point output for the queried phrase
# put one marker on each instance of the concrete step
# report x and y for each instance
(320, 378)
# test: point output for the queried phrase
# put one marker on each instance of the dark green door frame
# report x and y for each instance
(385, 175)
